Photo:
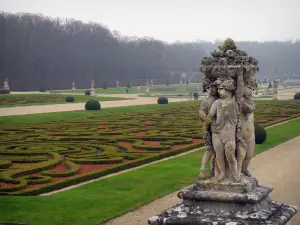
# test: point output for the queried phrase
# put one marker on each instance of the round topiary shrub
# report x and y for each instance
(70, 99)
(87, 92)
(42, 89)
(162, 100)
(92, 105)
(260, 134)
(297, 96)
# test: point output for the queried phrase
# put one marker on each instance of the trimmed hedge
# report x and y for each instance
(92, 104)
(4, 91)
(88, 92)
(42, 89)
(162, 100)
(70, 99)
(297, 96)
(4, 164)
(260, 134)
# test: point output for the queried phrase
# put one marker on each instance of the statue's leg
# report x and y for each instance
(241, 154)
(207, 156)
(230, 156)
(220, 156)
(249, 155)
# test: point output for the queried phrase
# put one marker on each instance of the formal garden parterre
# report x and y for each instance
(42, 157)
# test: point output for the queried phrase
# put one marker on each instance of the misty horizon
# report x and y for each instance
(185, 21)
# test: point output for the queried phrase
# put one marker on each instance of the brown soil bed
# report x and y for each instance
(130, 148)
(142, 133)
(2, 184)
(103, 127)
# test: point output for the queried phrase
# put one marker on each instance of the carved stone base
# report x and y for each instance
(215, 205)
(92, 92)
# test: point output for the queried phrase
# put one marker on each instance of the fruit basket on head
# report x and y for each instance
(227, 60)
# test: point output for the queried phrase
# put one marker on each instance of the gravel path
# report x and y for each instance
(23, 110)
(278, 167)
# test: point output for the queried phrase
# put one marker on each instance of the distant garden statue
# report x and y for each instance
(73, 86)
(228, 194)
(92, 90)
(6, 85)
(275, 91)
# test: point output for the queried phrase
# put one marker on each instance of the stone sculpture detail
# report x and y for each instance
(92, 90)
(228, 194)
(6, 85)
(275, 87)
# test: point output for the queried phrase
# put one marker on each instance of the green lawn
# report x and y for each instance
(12, 100)
(105, 199)
(57, 116)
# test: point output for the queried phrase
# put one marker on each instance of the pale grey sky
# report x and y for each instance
(183, 20)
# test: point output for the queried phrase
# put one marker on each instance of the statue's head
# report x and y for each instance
(209, 87)
(250, 85)
(226, 86)
(247, 92)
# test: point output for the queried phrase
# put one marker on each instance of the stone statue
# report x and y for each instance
(6, 85)
(117, 84)
(229, 194)
(275, 92)
(211, 89)
(224, 112)
(92, 90)
(151, 83)
(245, 152)
(73, 86)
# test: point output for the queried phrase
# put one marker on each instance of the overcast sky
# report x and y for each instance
(183, 20)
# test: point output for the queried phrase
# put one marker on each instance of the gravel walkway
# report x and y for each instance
(278, 167)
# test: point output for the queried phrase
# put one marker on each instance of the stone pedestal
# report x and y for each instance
(92, 92)
(208, 202)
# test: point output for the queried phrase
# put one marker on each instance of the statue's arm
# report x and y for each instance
(248, 107)
(212, 112)
(202, 113)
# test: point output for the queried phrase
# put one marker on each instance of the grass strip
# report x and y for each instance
(13, 100)
(58, 116)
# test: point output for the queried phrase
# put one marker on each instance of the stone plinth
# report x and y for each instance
(92, 92)
(210, 203)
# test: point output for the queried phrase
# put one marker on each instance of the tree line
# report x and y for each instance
(38, 51)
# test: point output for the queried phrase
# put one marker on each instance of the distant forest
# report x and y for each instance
(38, 51)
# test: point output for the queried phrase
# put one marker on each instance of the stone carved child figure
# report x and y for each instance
(247, 107)
(205, 106)
(225, 112)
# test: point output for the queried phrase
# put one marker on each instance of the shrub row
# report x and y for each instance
(4, 164)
